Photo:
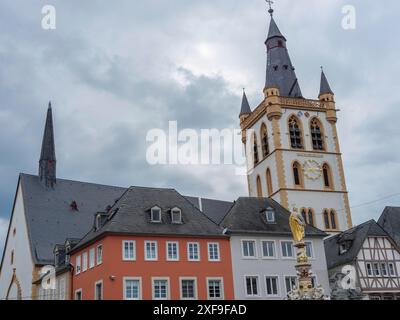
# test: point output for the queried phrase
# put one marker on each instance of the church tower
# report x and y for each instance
(292, 145)
(47, 162)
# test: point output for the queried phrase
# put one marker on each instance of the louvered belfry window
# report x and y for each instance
(295, 134)
(316, 135)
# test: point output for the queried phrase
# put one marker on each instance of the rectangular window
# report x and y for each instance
(252, 286)
(384, 270)
(215, 289)
(78, 265)
(271, 285)
(309, 249)
(268, 249)
(156, 214)
(392, 271)
(132, 289)
(128, 250)
(78, 294)
(314, 281)
(98, 290)
(188, 289)
(160, 289)
(213, 252)
(193, 251)
(172, 251)
(176, 216)
(287, 249)
(61, 287)
(91, 258)
(150, 249)
(369, 269)
(376, 269)
(249, 248)
(290, 283)
(84, 261)
(99, 256)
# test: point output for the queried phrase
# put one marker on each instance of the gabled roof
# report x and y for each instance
(246, 216)
(357, 236)
(390, 222)
(131, 215)
(49, 217)
(213, 209)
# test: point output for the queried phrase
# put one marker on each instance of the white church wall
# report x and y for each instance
(22, 255)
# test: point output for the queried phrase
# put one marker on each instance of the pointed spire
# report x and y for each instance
(47, 162)
(280, 71)
(245, 105)
(324, 87)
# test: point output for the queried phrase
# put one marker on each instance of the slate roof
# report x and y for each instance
(213, 209)
(356, 235)
(245, 105)
(49, 217)
(131, 215)
(280, 71)
(324, 86)
(390, 222)
(246, 217)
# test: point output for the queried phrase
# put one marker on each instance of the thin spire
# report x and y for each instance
(47, 162)
(245, 109)
(324, 87)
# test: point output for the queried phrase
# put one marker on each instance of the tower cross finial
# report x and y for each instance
(270, 3)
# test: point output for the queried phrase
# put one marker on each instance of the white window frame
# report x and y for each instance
(289, 276)
(369, 274)
(78, 265)
(168, 291)
(92, 258)
(218, 251)
(258, 295)
(242, 241)
(278, 287)
(124, 258)
(195, 288)
(198, 251)
(76, 293)
(99, 261)
(275, 256)
(151, 215)
(180, 215)
(84, 261)
(95, 289)
(139, 279)
(293, 257)
(386, 269)
(177, 250)
(391, 274)
(312, 257)
(377, 272)
(146, 258)
(222, 290)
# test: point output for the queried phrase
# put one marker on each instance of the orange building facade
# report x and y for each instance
(123, 267)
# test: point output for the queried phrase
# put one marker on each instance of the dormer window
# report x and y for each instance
(156, 214)
(342, 248)
(98, 222)
(176, 215)
(270, 215)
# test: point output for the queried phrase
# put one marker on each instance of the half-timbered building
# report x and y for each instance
(369, 260)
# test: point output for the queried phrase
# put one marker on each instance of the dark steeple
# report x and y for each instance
(280, 71)
(245, 105)
(47, 162)
(325, 87)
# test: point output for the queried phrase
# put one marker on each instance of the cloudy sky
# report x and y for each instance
(114, 70)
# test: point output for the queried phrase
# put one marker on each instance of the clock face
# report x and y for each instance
(312, 169)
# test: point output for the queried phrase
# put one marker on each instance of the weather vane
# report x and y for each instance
(270, 3)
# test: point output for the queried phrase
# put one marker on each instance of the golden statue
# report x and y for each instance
(297, 225)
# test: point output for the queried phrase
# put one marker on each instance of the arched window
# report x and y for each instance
(333, 220)
(327, 174)
(308, 216)
(12, 257)
(269, 182)
(264, 140)
(316, 134)
(296, 140)
(255, 149)
(304, 214)
(259, 187)
(297, 174)
(326, 219)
